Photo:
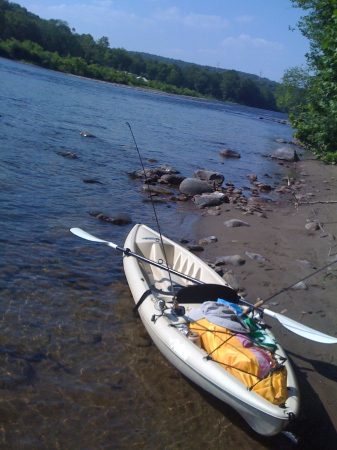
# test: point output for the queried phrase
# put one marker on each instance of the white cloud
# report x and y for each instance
(244, 19)
(98, 18)
(244, 41)
(202, 21)
(168, 14)
(104, 3)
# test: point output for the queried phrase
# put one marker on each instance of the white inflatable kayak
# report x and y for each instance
(169, 283)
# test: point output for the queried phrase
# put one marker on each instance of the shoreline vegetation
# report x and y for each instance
(156, 91)
(17, 51)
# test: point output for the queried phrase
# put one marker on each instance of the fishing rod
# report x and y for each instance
(177, 309)
(261, 302)
(290, 324)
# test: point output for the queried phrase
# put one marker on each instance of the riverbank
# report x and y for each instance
(279, 250)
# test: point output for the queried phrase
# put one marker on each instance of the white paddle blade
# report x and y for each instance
(84, 235)
(302, 330)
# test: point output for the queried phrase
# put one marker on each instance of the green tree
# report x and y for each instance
(163, 71)
(88, 46)
(121, 60)
(291, 93)
(230, 85)
(316, 122)
(175, 76)
(138, 65)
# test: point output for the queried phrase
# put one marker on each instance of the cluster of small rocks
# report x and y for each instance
(207, 189)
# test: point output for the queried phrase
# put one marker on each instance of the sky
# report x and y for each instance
(251, 36)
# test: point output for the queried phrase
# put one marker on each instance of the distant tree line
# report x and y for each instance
(52, 44)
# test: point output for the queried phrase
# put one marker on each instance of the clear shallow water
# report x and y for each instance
(76, 368)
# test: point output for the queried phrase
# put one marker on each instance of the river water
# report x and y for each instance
(77, 370)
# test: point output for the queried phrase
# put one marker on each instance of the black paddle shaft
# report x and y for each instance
(234, 297)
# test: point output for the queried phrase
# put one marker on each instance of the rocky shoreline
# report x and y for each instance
(275, 245)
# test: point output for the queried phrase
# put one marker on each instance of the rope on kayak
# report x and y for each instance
(231, 335)
(269, 374)
(209, 356)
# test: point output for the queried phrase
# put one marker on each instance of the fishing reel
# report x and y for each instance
(177, 310)
(160, 305)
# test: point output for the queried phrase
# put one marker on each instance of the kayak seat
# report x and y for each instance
(201, 293)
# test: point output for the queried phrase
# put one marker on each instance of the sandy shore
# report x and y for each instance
(279, 235)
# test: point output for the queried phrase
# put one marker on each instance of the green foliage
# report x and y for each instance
(52, 44)
(316, 120)
(291, 94)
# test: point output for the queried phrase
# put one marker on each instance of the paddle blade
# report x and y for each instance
(89, 237)
(302, 330)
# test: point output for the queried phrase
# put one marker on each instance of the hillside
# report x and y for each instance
(183, 64)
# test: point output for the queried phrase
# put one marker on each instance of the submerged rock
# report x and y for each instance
(157, 190)
(68, 155)
(87, 134)
(118, 219)
(92, 182)
(251, 176)
(228, 153)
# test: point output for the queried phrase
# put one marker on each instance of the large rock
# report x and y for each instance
(166, 168)
(227, 153)
(212, 199)
(286, 154)
(172, 179)
(149, 174)
(153, 173)
(208, 175)
(194, 186)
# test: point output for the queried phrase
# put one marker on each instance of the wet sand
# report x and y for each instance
(279, 235)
